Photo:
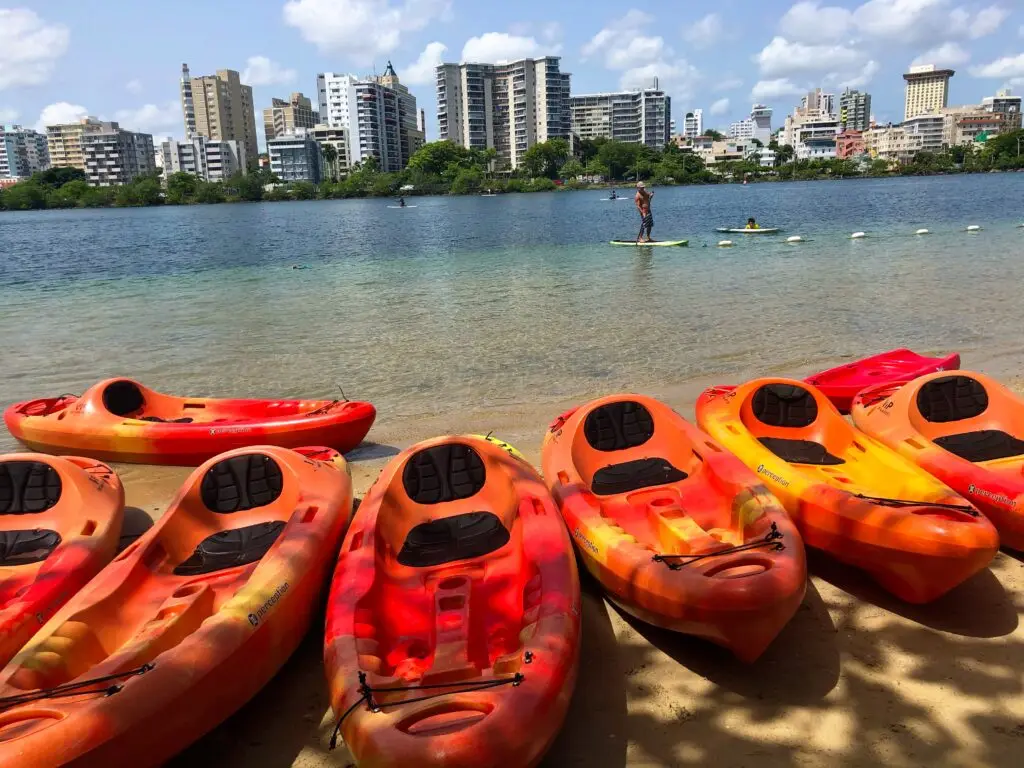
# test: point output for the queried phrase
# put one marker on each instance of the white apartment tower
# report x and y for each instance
(634, 117)
(757, 126)
(693, 124)
(927, 90)
(509, 107)
(23, 152)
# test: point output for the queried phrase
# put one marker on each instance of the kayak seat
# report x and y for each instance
(633, 475)
(228, 549)
(784, 405)
(28, 487)
(800, 451)
(444, 473)
(983, 445)
(951, 398)
(617, 426)
(123, 398)
(459, 537)
(240, 483)
(23, 547)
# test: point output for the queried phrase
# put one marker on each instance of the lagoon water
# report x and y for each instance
(479, 303)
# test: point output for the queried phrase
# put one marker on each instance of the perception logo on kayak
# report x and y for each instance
(256, 618)
(586, 542)
(998, 498)
(230, 430)
(762, 470)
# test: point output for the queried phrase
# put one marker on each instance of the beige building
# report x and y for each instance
(283, 117)
(336, 137)
(219, 107)
(893, 143)
(64, 142)
(927, 90)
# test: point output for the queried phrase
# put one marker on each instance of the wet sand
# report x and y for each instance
(856, 679)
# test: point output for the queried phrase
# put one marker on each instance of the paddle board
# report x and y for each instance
(401, 206)
(614, 199)
(652, 243)
(761, 231)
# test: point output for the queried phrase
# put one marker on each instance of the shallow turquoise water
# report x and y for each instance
(479, 302)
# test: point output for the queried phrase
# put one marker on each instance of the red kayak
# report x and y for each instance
(122, 420)
(897, 366)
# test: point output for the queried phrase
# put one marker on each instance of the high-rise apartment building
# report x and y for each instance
(1007, 106)
(64, 142)
(114, 156)
(378, 112)
(283, 117)
(296, 157)
(634, 117)
(757, 126)
(927, 90)
(817, 103)
(324, 135)
(208, 159)
(219, 107)
(509, 107)
(693, 124)
(855, 110)
(22, 152)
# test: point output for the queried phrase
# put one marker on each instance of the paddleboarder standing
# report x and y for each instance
(643, 204)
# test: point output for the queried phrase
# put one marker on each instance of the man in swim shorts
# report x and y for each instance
(643, 204)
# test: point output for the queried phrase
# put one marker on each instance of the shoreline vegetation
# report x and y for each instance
(444, 168)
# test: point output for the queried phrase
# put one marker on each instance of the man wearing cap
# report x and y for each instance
(643, 204)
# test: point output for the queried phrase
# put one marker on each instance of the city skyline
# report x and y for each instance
(745, 52)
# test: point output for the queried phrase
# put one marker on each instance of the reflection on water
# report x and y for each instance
(482, 302)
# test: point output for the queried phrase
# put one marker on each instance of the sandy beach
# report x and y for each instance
(856, 679)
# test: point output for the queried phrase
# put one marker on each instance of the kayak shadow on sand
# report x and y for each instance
(136, 522)
(368, 451)
(979, 607)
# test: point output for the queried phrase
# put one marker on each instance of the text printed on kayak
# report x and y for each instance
(257, 617)
(998, 498)
(762, 470)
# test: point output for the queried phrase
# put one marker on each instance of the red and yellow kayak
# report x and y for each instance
(122, 420)
(967, 430)
(60, 519)
(849, 495)
(453, 623)
(186, 624)
(678, 531)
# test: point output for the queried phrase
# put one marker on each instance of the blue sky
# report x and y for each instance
(121, 60)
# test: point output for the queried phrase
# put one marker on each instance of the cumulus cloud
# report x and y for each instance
(705, 32)
(496, 47)
(987, 21)
(720, 107)
(152, 118)
(60, 113)
(729, 84)
(782, 57)
(772, 90)
(858, 79)
(424, 69)
(29, 47)
(259, 70)
(810, 22)
(360, 29)
(8, 115)
(1007, 66)
(945, 55)
(133, 86)
(677, 77)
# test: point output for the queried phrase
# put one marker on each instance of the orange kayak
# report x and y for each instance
(967, 430)
(60, 519)
(849, 495)
(678, 532)
(187, 623)
(122, 420)
(453, 623)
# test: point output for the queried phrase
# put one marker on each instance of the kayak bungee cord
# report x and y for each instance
(771, 539)
(887, 502)
(74, 689)
(366, 694)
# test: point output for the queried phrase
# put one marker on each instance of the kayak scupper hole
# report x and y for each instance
(61, 415)
(357, 541)
(859, 447)
(913, 443)
(451, 603)
(309, 514)
(713, 447)
(452, 582)
(89, 528)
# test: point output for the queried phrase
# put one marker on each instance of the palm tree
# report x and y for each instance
(330, 155)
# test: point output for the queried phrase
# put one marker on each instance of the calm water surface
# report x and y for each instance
(465, 303)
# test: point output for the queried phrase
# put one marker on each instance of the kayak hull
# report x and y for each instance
(693, 504)
(978, 452)
(897, 366)
(122, 420)
(849, 495)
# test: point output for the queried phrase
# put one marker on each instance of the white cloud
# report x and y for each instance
(987, 21)
(678, 78)
(729, 84)
(859, 79)
(133, 86)
(59, 113)
(551, 32)
(705, 32)
(360, 29)
(152, 118)
(495, 47)
(772, 90)
(8, 115)
(946, 55)
(782, 57)
(259, 70)
(809, 22)
(720, 107)
(1007, 66)
(424, 69)
(29, 47)
(623, 44)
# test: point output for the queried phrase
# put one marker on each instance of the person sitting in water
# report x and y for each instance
(401, 202)
(643, 204)
(751, 224)
(613, 195)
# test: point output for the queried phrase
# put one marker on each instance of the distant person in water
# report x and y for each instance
(643, 204)
(401, 202)
(751, 224)
(613, 196)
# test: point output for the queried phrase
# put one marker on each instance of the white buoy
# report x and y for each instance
(725, 243)
(794, 239)
(973, 228)
(922, 232)
(858, 235)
